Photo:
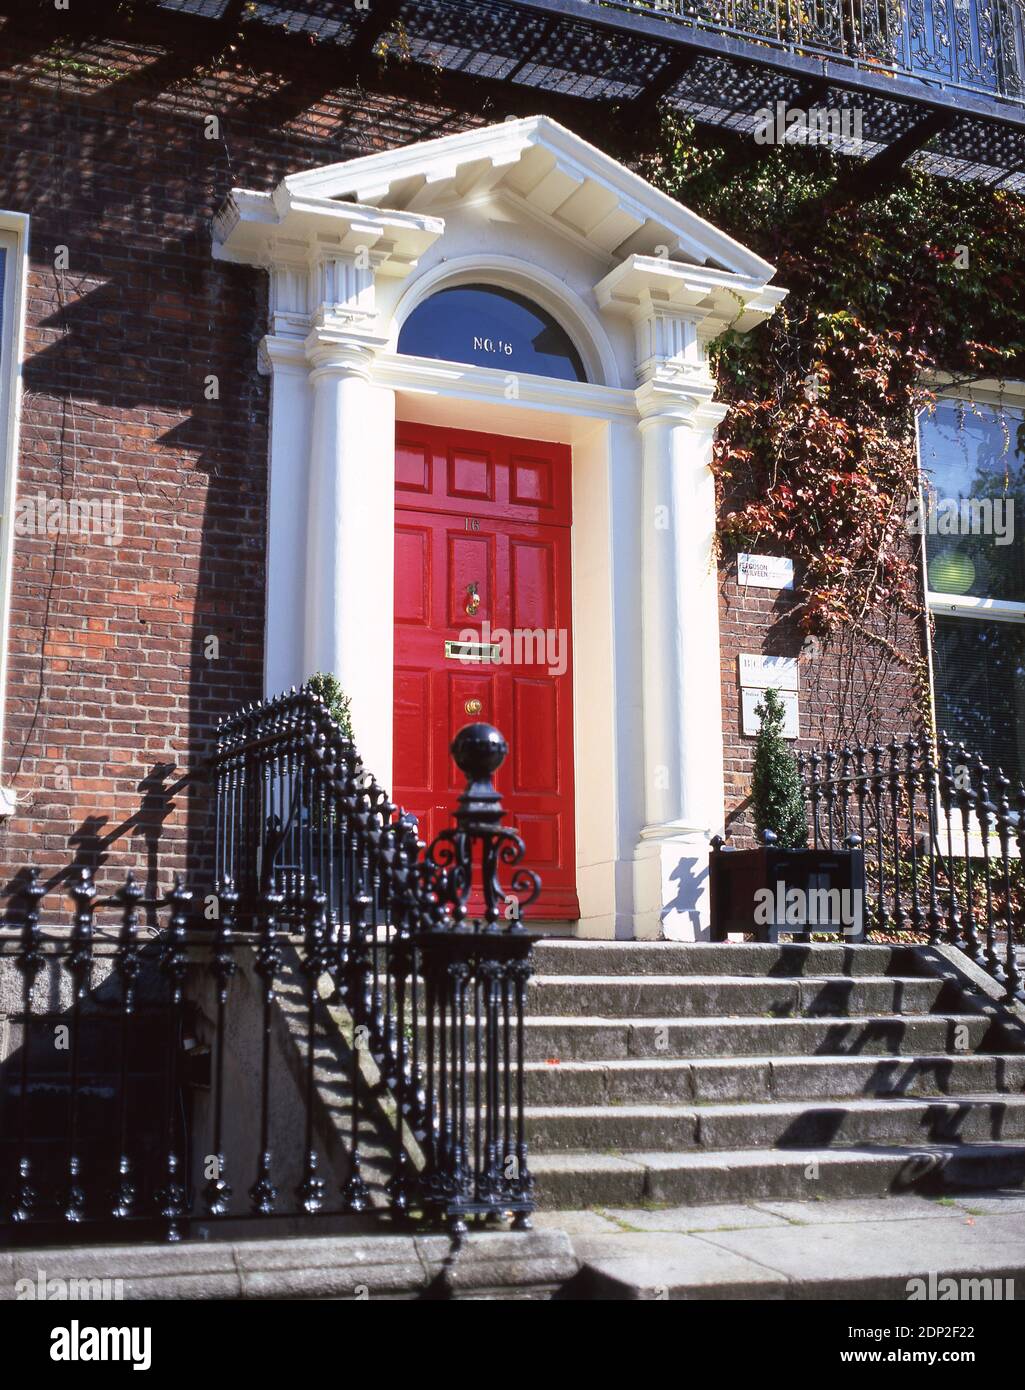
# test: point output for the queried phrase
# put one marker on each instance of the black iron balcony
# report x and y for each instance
(940, 83)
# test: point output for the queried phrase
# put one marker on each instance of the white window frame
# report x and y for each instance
(1003, 395)
(14, 235)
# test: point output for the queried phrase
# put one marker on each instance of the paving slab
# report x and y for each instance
(654, 1266)
(865, 1249)
(575, 1223)
(865, 1257)
(903, 1207)
(724, 1216)
(1010, 1203)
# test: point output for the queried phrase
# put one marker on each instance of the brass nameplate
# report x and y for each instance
(490, 652)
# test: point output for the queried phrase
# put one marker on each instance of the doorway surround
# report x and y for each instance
(642, 286)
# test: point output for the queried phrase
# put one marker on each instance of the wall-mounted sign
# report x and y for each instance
(763, 671)
(765, 571)
(750, 722)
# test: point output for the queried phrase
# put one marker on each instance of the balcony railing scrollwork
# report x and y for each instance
(975, 44)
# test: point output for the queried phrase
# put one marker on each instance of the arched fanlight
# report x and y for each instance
(491, 327)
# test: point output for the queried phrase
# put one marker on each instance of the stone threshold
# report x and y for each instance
(488, 1265)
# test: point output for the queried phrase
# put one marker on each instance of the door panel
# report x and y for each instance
(412, 573)
(483, 551)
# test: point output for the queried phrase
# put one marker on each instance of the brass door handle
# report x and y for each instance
(473, 707)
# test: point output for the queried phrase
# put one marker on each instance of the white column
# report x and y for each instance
(677, 310)
(683, 746)
(284, 360)
(349, 606)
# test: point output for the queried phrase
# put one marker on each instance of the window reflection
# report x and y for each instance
(980, 689)
(973, 462)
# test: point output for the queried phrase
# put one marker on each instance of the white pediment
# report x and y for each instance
(547, 168)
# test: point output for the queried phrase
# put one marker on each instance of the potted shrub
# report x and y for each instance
(782, 886)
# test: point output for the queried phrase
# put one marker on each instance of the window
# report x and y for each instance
(490, 327)
(973, 483)
(13, 244)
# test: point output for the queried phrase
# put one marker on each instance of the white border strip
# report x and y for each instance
(14, 234)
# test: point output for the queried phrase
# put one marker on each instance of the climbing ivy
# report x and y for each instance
(817, 455)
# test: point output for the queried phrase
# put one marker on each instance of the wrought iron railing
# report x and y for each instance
(974, 44)
(944, 841)
(331, 1033)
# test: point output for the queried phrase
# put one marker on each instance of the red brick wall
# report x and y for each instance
(850, 688)
(111, 699)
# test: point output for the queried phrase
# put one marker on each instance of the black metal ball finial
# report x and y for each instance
(479, 751)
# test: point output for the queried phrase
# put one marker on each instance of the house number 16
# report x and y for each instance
(498, 345)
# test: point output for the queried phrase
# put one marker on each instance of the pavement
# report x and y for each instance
(899, 1247)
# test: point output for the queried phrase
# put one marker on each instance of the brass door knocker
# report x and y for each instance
(473, 599)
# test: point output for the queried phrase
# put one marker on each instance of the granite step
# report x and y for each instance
(603, 1039)
(565, 956)
(646, 1080)
(575, 1181)
(776, 1124)
(702, 996)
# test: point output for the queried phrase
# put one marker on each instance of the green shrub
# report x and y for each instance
(777, 798)
(334, 697)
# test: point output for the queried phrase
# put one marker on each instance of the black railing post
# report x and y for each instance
(476, 969)
(264, 1194)
(217, 1192)
(128, 964)
(929, 775)
(966, 803)
(311, 1191)
(173, 1198)
(30, 961)
(1011, 975)
(80, 961)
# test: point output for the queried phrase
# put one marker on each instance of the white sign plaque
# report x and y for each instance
(765, 571)
(763, 671)
(750, 722)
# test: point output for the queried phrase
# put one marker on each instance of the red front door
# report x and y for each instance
(482, 555)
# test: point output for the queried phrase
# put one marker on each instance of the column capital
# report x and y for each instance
(323, 257)
(678, 309)
(335, 351)
(670, 400)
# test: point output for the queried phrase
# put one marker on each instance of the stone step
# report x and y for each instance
(759, 1124)
(700, 996)
(603, 1039)
(574, 1181)
(564, 956)
(738, 1079)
